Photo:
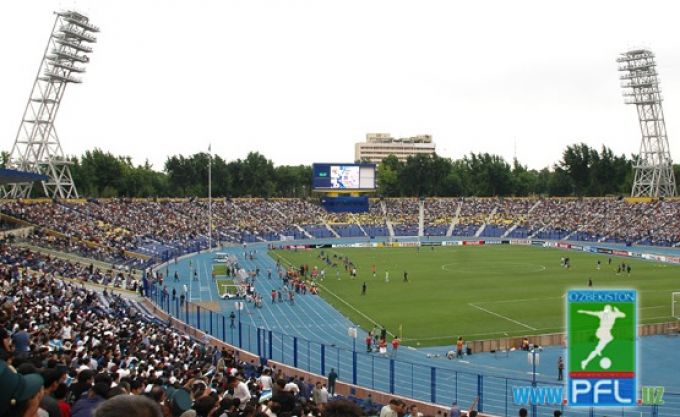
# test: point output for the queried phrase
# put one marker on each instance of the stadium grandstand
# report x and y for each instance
(409, 286)
(133, 232)
(80, 267)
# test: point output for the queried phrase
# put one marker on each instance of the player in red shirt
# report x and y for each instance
(395, 346)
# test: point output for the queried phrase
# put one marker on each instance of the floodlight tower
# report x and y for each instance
(36, 147)
(653, 167)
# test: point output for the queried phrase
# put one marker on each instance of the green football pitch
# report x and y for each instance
(219, 269)
(486, 292)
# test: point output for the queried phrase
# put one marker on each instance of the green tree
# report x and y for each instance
(388, 177)
(4, 159)
(489, 175)
(99, 173)
(524, 181)
(577, 161)
(292, 180)
(560, 183)
(543, 179)
(415, 177)
(440, 170)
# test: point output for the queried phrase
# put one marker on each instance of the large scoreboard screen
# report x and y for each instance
(338, 177)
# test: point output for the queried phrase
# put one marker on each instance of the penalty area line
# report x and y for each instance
(502, 316)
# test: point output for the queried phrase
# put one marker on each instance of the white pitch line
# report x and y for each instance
(520, 300)
(500, 332)
(502, 316)
(339, 298)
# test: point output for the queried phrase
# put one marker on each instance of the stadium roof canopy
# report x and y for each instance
(8, 176)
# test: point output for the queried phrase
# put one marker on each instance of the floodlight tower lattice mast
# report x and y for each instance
(653, 167)
(37, 147)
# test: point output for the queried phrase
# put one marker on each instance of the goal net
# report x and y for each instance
(675, 306)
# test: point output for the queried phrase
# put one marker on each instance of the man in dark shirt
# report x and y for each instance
(96, 395)
(305, 389)
(5, 342)
(332, 377)
(51, 380)
(284, 400)
(85, 381)
(22, 342)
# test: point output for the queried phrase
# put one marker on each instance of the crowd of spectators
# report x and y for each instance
(404, 214)
(608, 220)
(68, 351)
(116, 230)
(13, 259)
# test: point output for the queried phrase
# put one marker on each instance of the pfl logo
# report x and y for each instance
(601, 330)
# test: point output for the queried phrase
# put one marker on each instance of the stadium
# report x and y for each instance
(413, 285)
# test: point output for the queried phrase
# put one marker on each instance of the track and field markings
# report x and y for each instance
(502, 316)
(208, 288)
(339, 298)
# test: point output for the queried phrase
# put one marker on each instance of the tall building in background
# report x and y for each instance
(653, 166)
(379, 146)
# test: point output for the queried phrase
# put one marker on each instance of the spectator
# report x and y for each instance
(85, 379)
(60, 395)
(52, 379)
(96, 395)
(241, 391)
(342, 408)
(332, 377)
(20, 395)
(22, 341)
(395, 408)
(5, 342)
(316, 394)
(128, 406)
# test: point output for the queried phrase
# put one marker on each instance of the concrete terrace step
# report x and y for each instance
(454, 221)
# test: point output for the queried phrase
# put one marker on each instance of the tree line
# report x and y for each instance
(582, 171)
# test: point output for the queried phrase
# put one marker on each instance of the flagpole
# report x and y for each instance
(209, 198)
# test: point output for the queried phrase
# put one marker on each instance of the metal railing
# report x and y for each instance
(383, 373)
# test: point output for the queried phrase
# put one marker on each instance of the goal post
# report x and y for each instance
(675, 305)
(231, 290)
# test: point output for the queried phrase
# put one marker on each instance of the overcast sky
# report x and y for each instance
(302, 81)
